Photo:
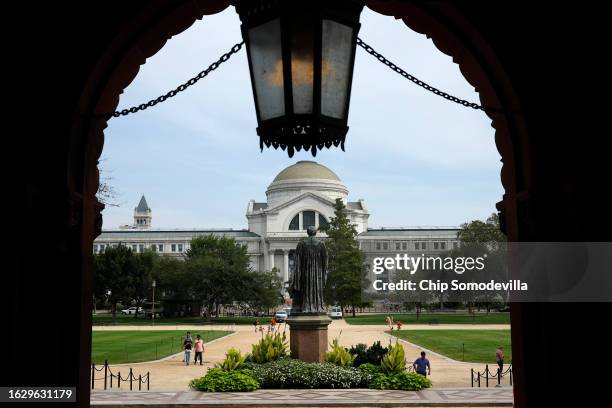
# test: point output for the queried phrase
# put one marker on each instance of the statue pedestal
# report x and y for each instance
(308, 337)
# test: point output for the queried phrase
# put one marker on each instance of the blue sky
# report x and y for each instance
(415, 158)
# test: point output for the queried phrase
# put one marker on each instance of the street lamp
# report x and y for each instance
(153, 303)
(301, 55)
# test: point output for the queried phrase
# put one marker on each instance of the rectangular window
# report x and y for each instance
(102, 248)
(442, 245)
(180, 247)
(378, 246)
(173, 247)
(423, 245)
(455, 245)
(416, 245)
(404, 246)
(141, 248)
(385, 246)
(436, 245)
(160, 248)
(95, 249)
(397, 246)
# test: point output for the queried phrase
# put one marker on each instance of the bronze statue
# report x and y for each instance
(308, 279)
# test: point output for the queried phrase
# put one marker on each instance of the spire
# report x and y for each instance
(142, 205)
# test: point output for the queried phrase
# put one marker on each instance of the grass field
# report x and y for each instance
(479, 345)
(433, 318)
(127, 346)
(126, 320)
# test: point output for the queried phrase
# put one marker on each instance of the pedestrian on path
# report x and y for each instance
(421, 365)
(187, 344)
(256, 324)
(199, 349)
(499, 358)
(187, 337)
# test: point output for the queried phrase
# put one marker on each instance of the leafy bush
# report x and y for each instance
(400, 381)
(339, 355)
(370, 368)
(270, 348)
(290, 373)
(364, 354)
(394, 362)
(233, 361)
(217, 380)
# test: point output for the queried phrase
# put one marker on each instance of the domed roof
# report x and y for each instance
(306, 169)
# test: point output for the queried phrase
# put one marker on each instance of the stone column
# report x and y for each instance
(271, 258)
(308, 339)
(285, 265)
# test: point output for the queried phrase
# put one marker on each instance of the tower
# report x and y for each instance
(142, 214)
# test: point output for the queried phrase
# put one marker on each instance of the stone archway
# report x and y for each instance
(157, 22)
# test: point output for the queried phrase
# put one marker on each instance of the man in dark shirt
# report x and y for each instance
(421, 365)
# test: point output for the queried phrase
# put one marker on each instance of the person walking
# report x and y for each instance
(256, 324)
(199, 349)
(421, 365)
(499, 358)
(187, 337)
(187, 344)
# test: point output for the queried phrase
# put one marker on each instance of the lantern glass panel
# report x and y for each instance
(266, 59)
(335, 65)
(302, 72)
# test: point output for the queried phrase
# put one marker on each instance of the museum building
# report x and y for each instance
(300, 196)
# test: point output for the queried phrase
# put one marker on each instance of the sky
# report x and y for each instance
(415, 158)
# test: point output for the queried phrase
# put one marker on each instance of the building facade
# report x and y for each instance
(300, 196)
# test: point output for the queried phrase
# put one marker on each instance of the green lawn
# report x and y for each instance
(433, 318)
(132, 346)
(479, 345)
(107, 319)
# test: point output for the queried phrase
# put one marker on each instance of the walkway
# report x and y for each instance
(171, 374)
(471, 397)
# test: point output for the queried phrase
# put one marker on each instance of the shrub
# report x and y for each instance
(269, 348)
(400, 381)
(364, 354)
(233, 361)
(217, 380)
(394, 362)
(370, 368)
(339, 355)
(290, 373)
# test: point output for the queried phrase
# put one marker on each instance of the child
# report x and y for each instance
(199, 349)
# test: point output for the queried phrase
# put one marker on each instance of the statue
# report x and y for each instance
(308, 279)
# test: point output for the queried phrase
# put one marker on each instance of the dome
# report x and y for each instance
(306, 169)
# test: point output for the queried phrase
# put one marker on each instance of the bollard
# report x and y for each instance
(105, 372)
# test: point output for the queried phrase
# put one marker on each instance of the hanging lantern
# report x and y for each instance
(301, 55)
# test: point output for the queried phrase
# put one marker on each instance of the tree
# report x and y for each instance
(218, 268)
(141, 278)
(113, 270)
(347, 274)
(266, 290)
(482, 232)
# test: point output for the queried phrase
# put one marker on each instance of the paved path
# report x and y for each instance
(170, 374)
(470, 397)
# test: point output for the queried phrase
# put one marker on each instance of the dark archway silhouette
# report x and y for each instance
(109, 59)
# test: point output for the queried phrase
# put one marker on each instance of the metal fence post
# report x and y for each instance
(93, 374)
(472, 377)
(148, 379)
(487, 375)
(105, 372)
(132, 376)
(139, 382)
(119, 379)
(498, 375)
(479, 379)
(510, 372)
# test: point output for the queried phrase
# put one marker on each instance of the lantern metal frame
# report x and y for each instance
(295, 131)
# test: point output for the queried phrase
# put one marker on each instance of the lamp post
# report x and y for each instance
(153, 303)
(301, 55)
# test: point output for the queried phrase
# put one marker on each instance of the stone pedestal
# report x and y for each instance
(308, 337)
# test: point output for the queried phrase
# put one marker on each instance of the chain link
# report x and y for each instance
(179, 88)
(420, 83)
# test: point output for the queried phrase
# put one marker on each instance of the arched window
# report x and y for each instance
(295, 223)
(322, 221)
(308, 219)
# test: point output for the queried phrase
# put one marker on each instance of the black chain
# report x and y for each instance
(179, 88)
(420, 83)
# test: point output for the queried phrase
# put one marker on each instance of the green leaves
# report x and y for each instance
(217, 380)
(400, 381)
(270, 348)
(233, 361)
(394, 361)
(339, 355)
